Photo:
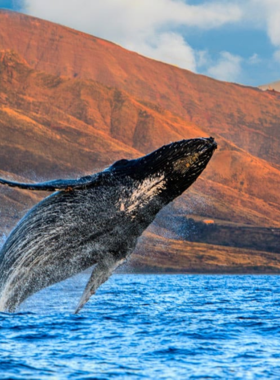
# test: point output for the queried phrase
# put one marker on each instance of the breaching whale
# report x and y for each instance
(94, 220)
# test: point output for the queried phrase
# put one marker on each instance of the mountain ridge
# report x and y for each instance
(63, 51)
(55, 125)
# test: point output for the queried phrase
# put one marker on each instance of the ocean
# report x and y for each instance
(147, 327)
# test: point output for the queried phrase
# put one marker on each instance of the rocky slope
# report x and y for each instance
(71, 104)
(274, 86)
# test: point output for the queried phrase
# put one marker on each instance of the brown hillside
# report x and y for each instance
(246, 116)
(157, 254)
(63, 126)
(71, 104)
(272, 87)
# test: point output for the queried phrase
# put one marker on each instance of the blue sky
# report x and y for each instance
(232, 40)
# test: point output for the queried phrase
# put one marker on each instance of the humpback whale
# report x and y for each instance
(94, 220)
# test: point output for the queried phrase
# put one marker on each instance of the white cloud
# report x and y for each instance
(254, 59)
(203, 58)
(266, 15)
(169, 47)
(228, 67)
(137, 15)
(269, 11)
(149, 27)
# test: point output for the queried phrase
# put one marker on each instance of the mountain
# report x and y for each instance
(274, 86)
(71, 104)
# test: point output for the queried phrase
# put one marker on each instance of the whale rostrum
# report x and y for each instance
(95, 220)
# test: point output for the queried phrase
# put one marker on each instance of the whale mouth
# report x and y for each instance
(211, 141)
(194, 151)
(195, 159)
(178, 157)
(211, 144)
(189, 158)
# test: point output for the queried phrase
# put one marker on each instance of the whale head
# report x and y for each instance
(177, 165)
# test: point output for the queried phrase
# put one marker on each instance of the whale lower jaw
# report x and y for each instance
(94, 220)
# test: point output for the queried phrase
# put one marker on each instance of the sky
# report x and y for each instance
(231, 40)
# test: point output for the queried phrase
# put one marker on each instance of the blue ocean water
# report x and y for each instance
(147, 327)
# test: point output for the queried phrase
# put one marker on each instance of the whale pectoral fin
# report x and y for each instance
(57, 184)
(101, 272)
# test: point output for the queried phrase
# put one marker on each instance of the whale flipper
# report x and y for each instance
(55, 185)
(94, 220)
(101, 272)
